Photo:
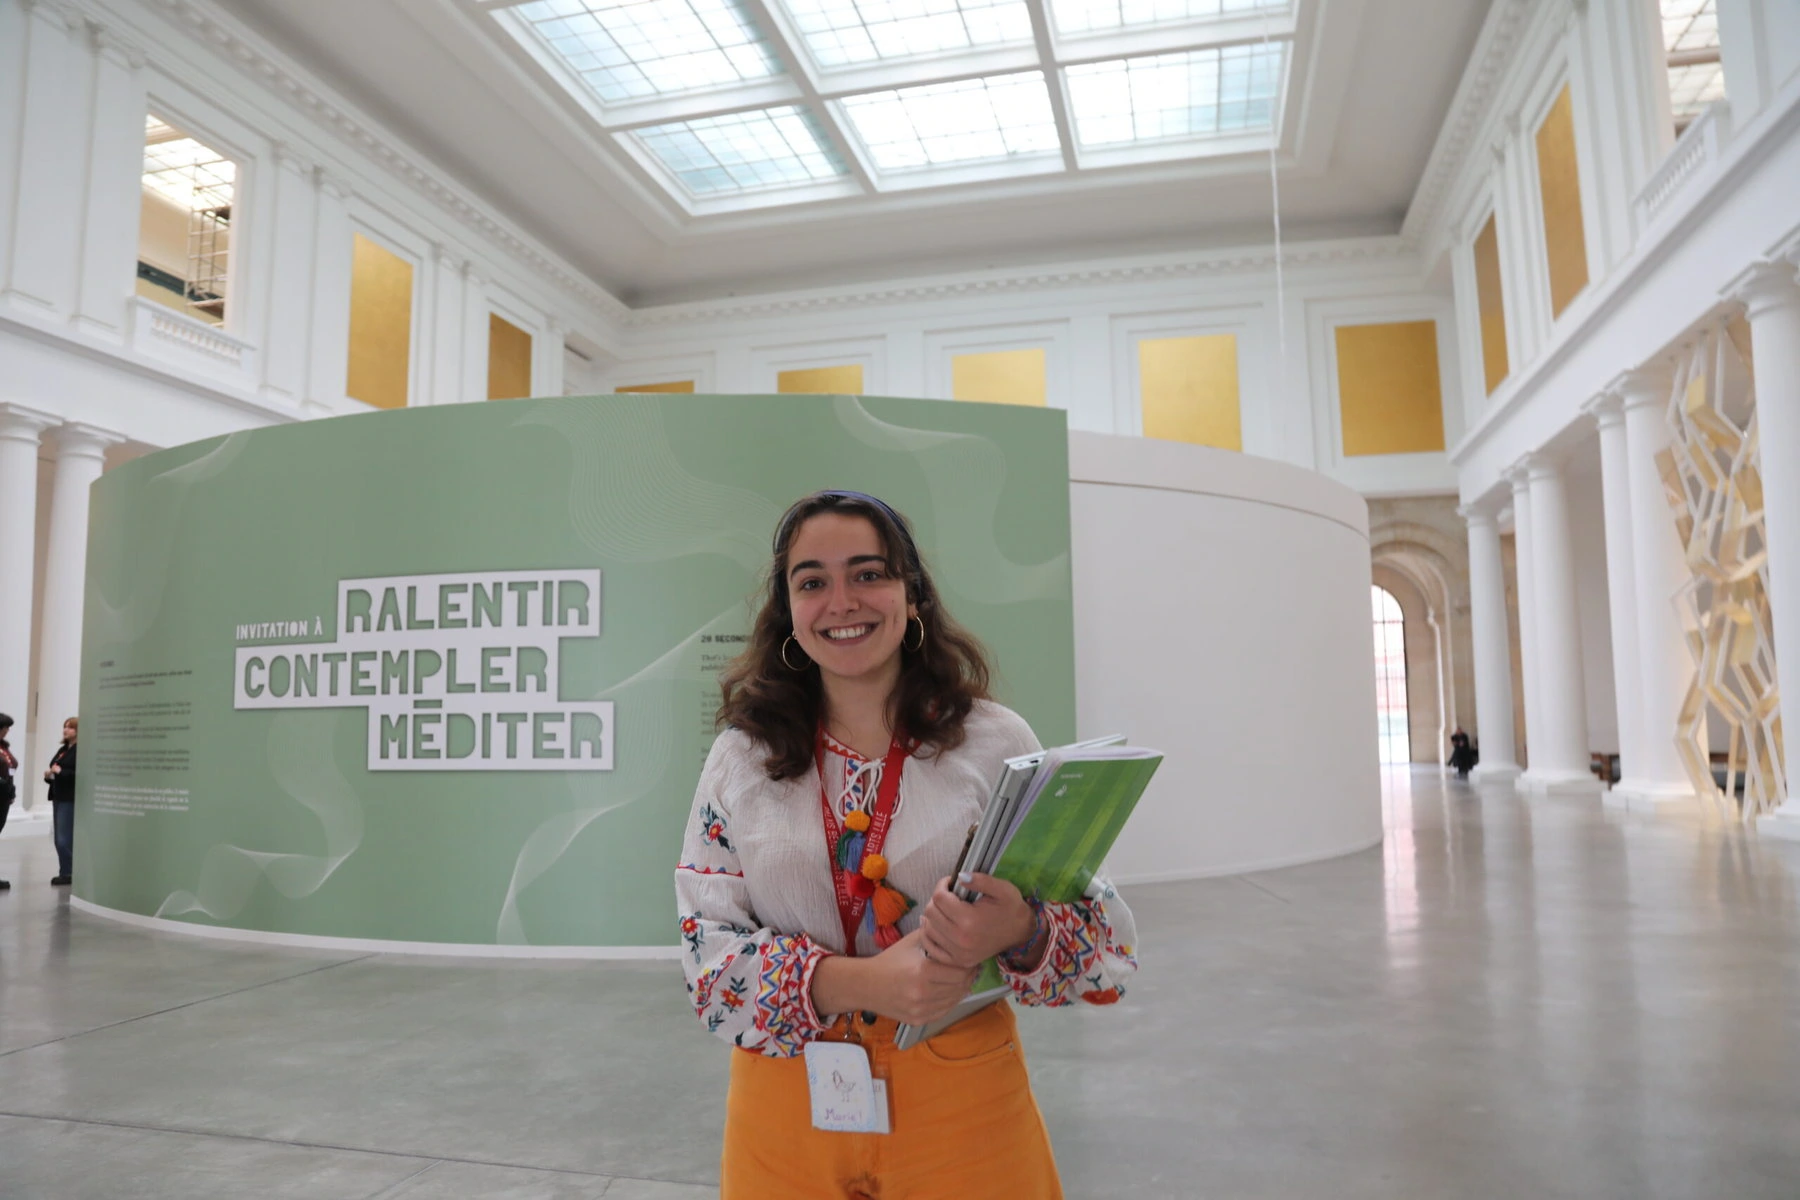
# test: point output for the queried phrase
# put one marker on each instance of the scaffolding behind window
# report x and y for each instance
(184, 237)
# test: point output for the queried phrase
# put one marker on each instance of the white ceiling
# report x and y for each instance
(1371, 82)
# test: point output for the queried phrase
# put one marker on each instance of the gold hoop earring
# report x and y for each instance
(784, 657)
(921, 621)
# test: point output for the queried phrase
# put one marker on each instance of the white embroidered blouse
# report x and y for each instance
(755, 896)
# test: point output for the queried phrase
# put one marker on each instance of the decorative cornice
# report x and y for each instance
(76, 439)
(1764, 285)
(1648, 384)
(1607, 409)
(283, 79)
(1477, 515)
(1225, 262)
(19, 422)
(60, 13)
(122, 51)
(1456, 136)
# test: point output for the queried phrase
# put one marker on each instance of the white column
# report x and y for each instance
(547, 370)
(444, 360)
(1525, 568)
(45, 239)
(1608, 412)
(1771, 295)
(1659, 569)
(112, 209)
(329, 366)
(1563, 766)
(286, 338)
(20, 430)
(1493, 655)
(475, 336)
(80, 457)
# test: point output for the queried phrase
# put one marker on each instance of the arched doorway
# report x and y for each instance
(1393, 727)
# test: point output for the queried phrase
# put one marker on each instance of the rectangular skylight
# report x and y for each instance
(192, 174)
(630, 49)
(974, 120)
(1093, 16)
(1689, 25)
(743, 152)
(1196, 93)
(839, 33)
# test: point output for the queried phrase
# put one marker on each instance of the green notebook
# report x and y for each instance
(1049, 824)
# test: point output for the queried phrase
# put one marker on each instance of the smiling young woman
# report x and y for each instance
(860, 748)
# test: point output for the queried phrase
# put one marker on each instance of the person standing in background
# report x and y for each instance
(1462, 754)
(8, 789)
(60, 775)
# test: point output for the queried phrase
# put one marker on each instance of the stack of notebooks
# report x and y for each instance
(1048, 825)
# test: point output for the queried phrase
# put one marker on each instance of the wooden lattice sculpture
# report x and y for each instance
(1714, 483)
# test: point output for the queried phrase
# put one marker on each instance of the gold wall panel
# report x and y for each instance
(381, 306)
(1712, 475)
(1559, 185)
(509, 360)
(822, 381)
(1490, 301)
(676, 385)
(1188, 387)
(1390, 399)
(1000, 377)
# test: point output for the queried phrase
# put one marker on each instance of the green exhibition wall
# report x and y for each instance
(304, 647)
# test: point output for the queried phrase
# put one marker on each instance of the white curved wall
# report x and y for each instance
(1222, 616)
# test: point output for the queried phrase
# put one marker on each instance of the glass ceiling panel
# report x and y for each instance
(630, 49)
(743, 152)
(1692, 89)
(1094, 16)
(999, 117)
(190, 173)
(840, 33)
(1689, 25)
(1197, 93)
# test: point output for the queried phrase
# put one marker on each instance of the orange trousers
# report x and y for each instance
(965, 1125)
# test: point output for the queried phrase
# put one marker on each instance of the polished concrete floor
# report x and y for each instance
(1508, 999)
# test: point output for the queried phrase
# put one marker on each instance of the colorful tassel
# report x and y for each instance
(849, 849)
(886, 935)
(889, 905)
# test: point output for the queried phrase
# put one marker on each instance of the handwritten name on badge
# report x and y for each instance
(845, 1098)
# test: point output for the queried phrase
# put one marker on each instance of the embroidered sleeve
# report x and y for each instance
(1091, 952)
(749, 985)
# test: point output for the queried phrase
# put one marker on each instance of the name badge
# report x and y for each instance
(845, 1097)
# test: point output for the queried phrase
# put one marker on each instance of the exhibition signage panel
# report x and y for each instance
(448, 675)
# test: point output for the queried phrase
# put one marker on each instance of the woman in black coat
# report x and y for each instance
(60, 775)
(8, 789)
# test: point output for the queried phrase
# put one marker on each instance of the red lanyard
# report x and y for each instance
(850, 905)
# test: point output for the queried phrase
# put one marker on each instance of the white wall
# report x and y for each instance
(1088, 318)
(1222, 616)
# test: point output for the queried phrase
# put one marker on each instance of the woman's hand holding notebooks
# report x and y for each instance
(1048, 825)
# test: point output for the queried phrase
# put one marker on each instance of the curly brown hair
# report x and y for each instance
(781, 707)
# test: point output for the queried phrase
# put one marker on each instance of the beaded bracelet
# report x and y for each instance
(1018, 958)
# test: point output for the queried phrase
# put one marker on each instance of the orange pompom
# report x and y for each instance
(874, 866)
(890, 905)
(858, 821)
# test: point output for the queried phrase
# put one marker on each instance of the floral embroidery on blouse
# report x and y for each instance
(1087, 958)
(712, 829)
